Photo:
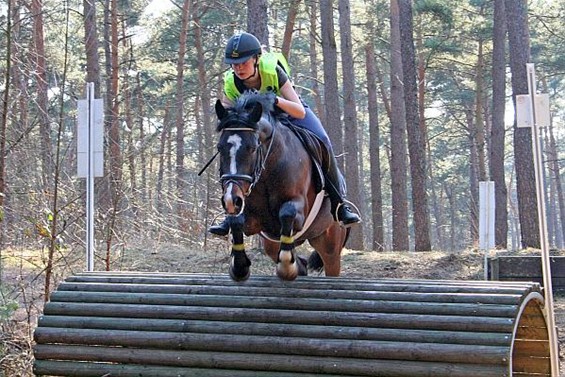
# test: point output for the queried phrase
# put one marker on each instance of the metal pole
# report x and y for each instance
(546, 267)
(90, 181)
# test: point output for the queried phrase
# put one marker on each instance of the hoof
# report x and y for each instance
(287, 268)
(288, 273)
(240, 275)
(239, 267)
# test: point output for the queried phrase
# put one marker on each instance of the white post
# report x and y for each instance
(90, 182)
(487, 208)
(538, 113)
(90, 158)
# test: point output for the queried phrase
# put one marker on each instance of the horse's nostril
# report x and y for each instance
(238, 202)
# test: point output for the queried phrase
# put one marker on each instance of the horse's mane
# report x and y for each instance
(244, 105)
(249, 98)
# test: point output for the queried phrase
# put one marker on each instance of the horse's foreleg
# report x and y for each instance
(239, 262)
(287, 266)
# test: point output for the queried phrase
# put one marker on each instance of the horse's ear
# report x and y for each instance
(256, 113)
(221, 111)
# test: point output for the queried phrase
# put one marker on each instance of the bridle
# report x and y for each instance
(260, 162)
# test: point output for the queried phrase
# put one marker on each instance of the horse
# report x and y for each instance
(271, 187)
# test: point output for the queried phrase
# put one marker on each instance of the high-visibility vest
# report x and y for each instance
(267, 69)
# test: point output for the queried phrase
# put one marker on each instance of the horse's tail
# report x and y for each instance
(315, 262)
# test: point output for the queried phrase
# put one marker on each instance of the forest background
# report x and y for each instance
(413, 150)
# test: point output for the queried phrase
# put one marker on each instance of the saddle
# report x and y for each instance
(314, 147)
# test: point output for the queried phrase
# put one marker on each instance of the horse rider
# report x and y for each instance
(253, 70)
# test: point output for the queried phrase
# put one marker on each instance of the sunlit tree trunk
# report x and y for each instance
(398, 152)
(378, 239)
(91, 45)
(479, 129)
(351, 148)
(257, 18)
(113, 137)
(519, 45)
(331, 92)
(497, 132)
(293, 7)
(416, 143)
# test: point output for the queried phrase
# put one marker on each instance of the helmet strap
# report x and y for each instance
(255, 66)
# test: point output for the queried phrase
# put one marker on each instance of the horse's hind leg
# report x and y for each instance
(329, 246)
(239, 262)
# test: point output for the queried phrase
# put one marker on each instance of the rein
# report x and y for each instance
(225, 179)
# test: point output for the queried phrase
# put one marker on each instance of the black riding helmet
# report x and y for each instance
(241, 47)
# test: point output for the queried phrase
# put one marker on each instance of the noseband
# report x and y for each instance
(226, 179)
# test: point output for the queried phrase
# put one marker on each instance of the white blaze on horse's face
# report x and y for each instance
(235, 141)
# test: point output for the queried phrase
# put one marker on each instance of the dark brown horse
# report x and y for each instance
(270, 187)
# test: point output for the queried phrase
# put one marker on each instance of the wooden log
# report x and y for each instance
(485, 298)
(416, 321)
(360, 349)
(311, 304)
(272, 363)
(154, 324)
(280, 329)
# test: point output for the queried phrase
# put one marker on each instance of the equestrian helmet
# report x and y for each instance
(241, 47)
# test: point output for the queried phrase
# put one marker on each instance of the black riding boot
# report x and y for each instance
(220, 230)
(335, 187)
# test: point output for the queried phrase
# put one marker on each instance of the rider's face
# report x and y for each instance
(245, 69)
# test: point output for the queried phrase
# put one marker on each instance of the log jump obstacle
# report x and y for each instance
(159, 325)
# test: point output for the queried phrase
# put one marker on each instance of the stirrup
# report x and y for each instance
(354, 216)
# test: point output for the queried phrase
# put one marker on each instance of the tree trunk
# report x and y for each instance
(473, 180)
(91, 46)
(4, 120)
(161, 166)
(479, 129)
(204, 89)
(351, 148)
(257, 18)
(40, 70)
(519, 45)
(331, 91)
(497, 133)
(142, 151)
(181, 178)
(314, 62)
(416, 144)
(555, 177)
(378, 239)
(293, 7)
(398, 163)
